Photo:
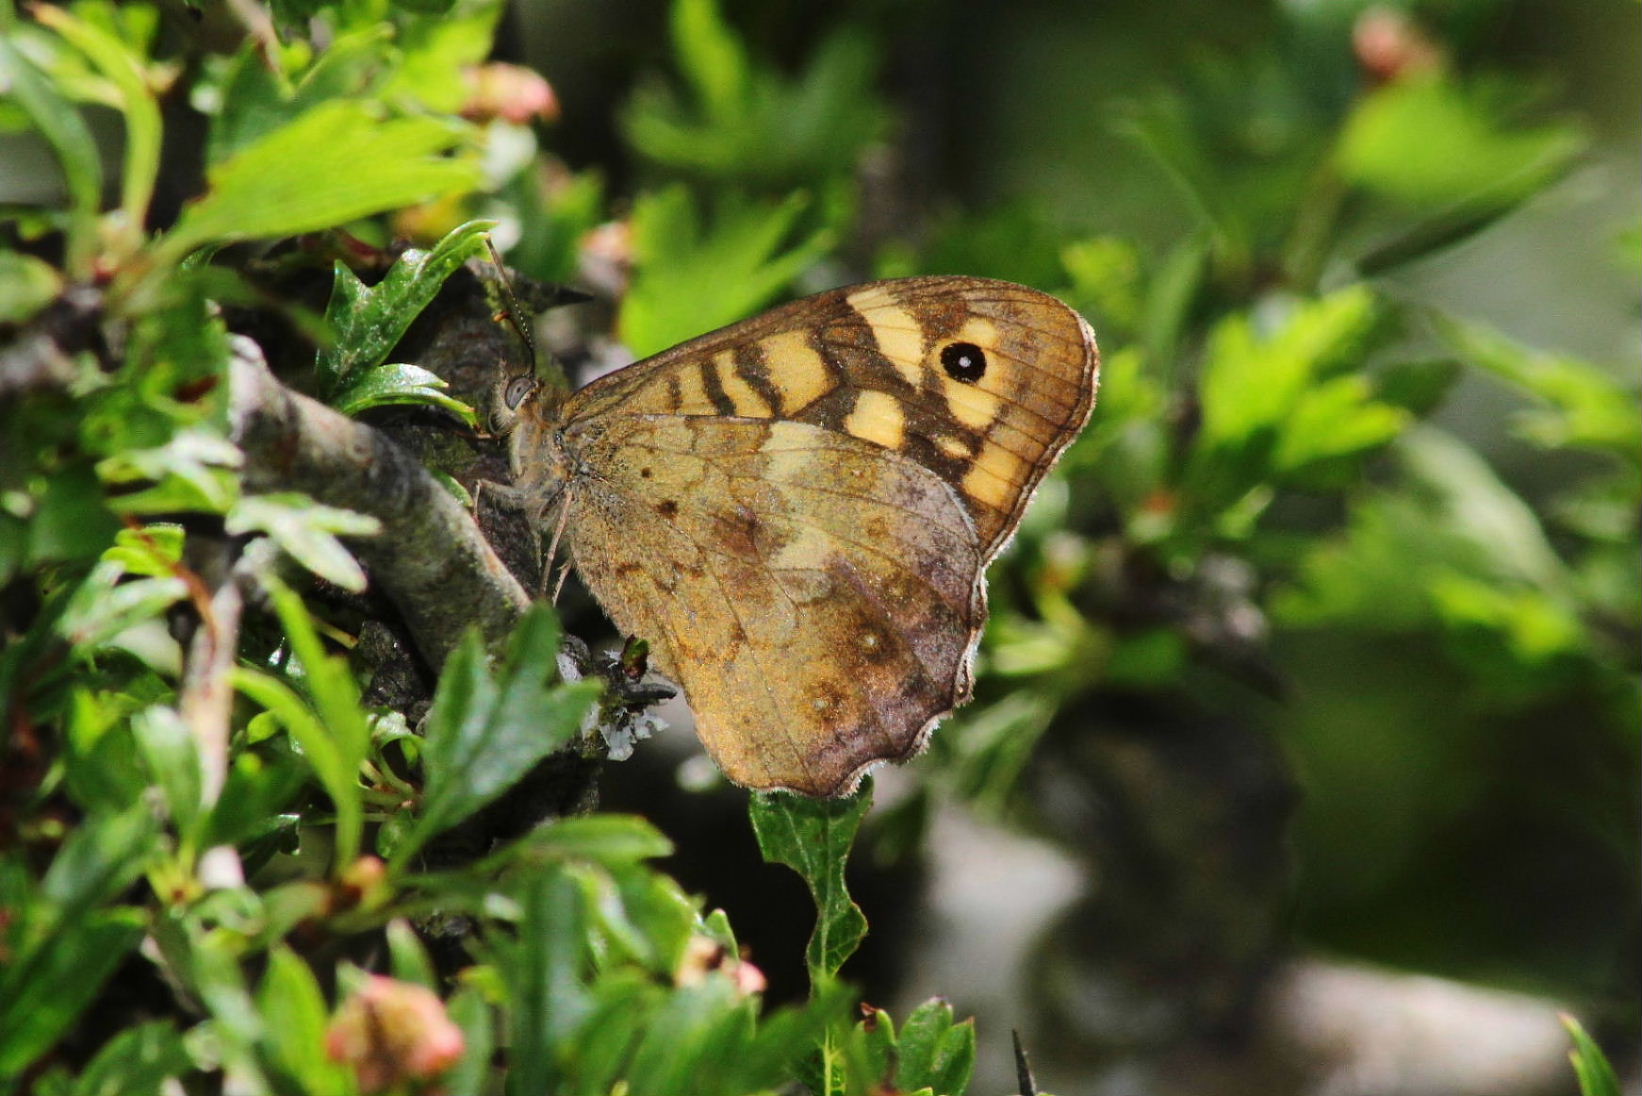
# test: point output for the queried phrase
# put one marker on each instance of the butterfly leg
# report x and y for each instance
(553, 552)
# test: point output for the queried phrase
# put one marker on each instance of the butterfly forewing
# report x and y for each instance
(982, 382)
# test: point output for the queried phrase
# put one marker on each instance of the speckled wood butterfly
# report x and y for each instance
(797, 511)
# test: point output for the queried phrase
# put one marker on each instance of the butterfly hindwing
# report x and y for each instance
(816, 598)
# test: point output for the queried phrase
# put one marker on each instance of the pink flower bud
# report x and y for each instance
(392, 1032)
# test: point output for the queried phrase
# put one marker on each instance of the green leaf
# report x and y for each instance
(27, 285)
(1335, 418)
(43, 993)
(693, 275)
(1582, 405)
(193, 470)
(934, 1052)
(469, 1011)
(71, 519)
(1252, 379)
(609, 840)
(485, 732)
(410, 962)
(105, 611)
(337, 741)
(1275, 401)
(1591, 1066)
(813, 837)
(368, 321)
(653, 921)
(123, 69)
(331, 762)
(399, 384)
(711, 57)
(744, 121)
(290, 997)
(167, 748)
(60, 123)
(102, 857)
(307, 531)
(1418, 387)
(686, 1039)
(1431, 142)
(1451, 526)
(543, 970)
(136, 1062)
(336, 163)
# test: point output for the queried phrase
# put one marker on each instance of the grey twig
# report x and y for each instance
(430, 558)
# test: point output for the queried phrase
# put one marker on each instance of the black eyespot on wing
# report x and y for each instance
(517, 391)
(964, 362)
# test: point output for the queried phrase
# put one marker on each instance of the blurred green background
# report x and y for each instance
(1419, 611)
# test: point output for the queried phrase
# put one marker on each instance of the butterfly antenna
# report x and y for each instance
(512, 310)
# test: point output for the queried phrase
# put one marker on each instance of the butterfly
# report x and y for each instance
(797, 511)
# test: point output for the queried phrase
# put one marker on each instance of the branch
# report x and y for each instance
(429, 559)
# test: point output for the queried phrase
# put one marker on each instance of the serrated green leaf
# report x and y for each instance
(336, 163)
(104, 608)
(694, 273)
(740, 120)
(1429, 141)
(154, 550)
(485, 732)
(1581, 405)
(1253, 379)
(813, 837)
(192, 471)
(1332, 419)
(307, 531)
(368, 321)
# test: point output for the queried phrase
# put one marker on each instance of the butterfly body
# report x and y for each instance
(797, 511)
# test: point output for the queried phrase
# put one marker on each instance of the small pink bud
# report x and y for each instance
(1389, 45)
(702, 956)
(512, 93)
(393, 1032)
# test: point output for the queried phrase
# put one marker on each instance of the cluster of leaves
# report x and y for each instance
(241, 865)
(1267, 449)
